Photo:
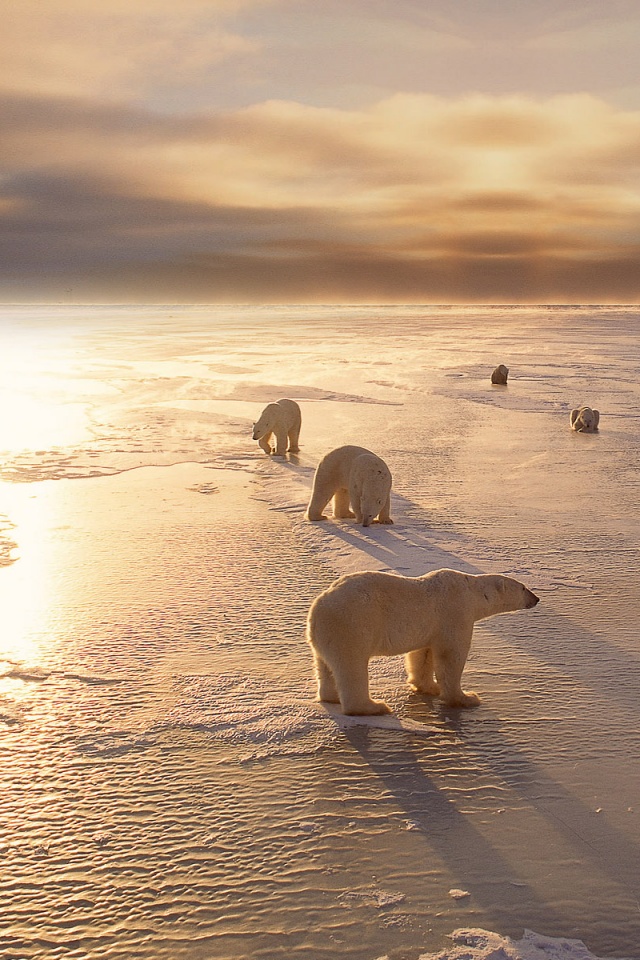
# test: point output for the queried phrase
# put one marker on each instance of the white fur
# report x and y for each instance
(283, 419)
(352, 475)
(428, 618)
(584, 420)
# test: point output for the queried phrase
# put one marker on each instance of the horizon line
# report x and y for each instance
(312, 303)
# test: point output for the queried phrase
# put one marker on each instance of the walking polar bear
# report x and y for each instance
(428, 618)
(283, 419)
(356, 476)
(584, 420)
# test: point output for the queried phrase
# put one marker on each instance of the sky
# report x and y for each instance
(419, 151)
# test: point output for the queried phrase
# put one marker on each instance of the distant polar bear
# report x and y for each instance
(428, 618)
(500, 374)
(352, 475)
(585, 420)
(283, 419)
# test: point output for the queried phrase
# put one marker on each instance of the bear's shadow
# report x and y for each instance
(504, 893)
(470, 858)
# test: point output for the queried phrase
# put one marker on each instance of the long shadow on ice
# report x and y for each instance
(420, 782)
(401, 548)
(502, 892)
(613, 852)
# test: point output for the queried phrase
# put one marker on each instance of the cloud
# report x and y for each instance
(592, 37)
(414, 197)
(231, 53)
(117, 49)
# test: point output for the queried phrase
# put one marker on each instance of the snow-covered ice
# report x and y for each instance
(170, 788)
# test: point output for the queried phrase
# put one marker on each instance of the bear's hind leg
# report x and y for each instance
(420, 674)
(294, 436)
(341, 504)
(327, 690)
(352, 680)
(449, 665)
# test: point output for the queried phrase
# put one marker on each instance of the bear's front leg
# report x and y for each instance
(281, 443)
(464, 700)
(449, 661)
(341, 504)
(383, 516)
(265, 443)
(420, 673)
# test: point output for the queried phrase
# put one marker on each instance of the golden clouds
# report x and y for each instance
(497, 164)
(415, 197)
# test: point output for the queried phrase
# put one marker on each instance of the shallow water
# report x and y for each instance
(170, 787)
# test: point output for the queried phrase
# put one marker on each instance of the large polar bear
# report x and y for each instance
(352, 475)
(584, 420)
(282, 418)
(428, 618)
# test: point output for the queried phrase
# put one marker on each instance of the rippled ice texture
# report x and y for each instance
(169, 788)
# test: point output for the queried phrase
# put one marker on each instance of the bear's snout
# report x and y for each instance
(532, 600)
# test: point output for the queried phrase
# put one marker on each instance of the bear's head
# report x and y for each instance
(371, 507)
(504, 594)
(374, 494)
(267, 421)
(585, 420)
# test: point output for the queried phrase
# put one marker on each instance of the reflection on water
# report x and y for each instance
(39, 422)
(41, 390)
(30, 589)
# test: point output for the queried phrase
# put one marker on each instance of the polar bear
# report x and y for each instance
(428, 618)
(500, 374)
(283, 419)
(584, 420)
(352, 475)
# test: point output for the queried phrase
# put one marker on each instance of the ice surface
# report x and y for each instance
(170, 788)
(484, 945)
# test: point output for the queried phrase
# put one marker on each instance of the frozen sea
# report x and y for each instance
(170, 790)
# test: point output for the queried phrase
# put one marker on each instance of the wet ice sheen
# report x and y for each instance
(170, 789)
